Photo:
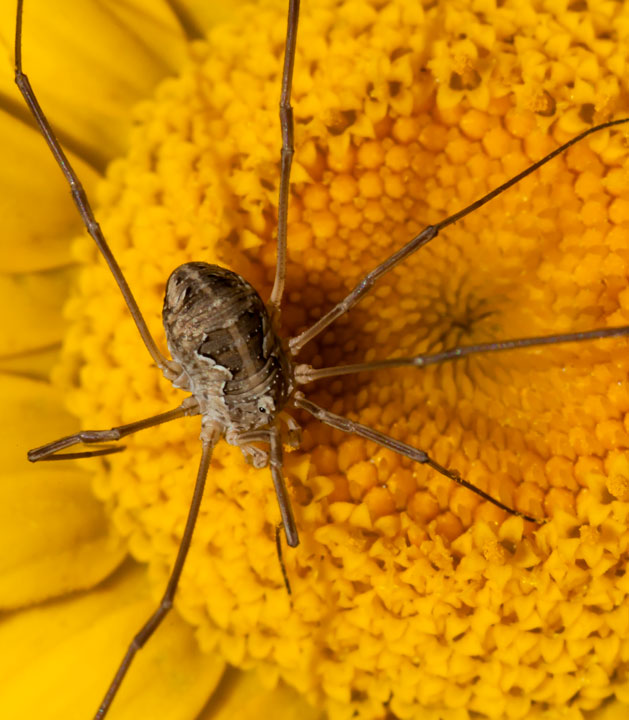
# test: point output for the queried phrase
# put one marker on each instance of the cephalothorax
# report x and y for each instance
(227, 355)
(219, 331)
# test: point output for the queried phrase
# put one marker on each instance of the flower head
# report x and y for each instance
(409, 592)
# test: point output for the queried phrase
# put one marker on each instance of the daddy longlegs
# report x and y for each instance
(227, 355)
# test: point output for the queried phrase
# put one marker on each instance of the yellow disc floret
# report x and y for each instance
(410, 593)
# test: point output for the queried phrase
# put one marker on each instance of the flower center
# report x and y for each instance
(407, 589)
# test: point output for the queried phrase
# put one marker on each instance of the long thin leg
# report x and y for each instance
(286, 121)
(276, 462)
(166, 602)
(274, 458)
(50, 450)
(424, 237)
(349, 426)
(170, 369)
(280, 557)
(306, 373)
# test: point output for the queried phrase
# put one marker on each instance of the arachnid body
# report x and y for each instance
(383, 529)
(219, 331)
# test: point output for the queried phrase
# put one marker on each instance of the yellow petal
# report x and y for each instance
(64, 654)
(204, 15)
(55, 536)
(34, 301)
(91, 63)
(38, 215)
(32, 414)
(36, 365)
(241, 695)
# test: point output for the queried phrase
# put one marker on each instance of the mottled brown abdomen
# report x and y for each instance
(219, 330)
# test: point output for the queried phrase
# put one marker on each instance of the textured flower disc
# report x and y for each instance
(408, 591)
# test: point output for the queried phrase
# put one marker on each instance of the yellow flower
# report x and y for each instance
(59, 655)
(410, 595)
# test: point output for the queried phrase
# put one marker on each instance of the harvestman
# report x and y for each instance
(227, 355)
